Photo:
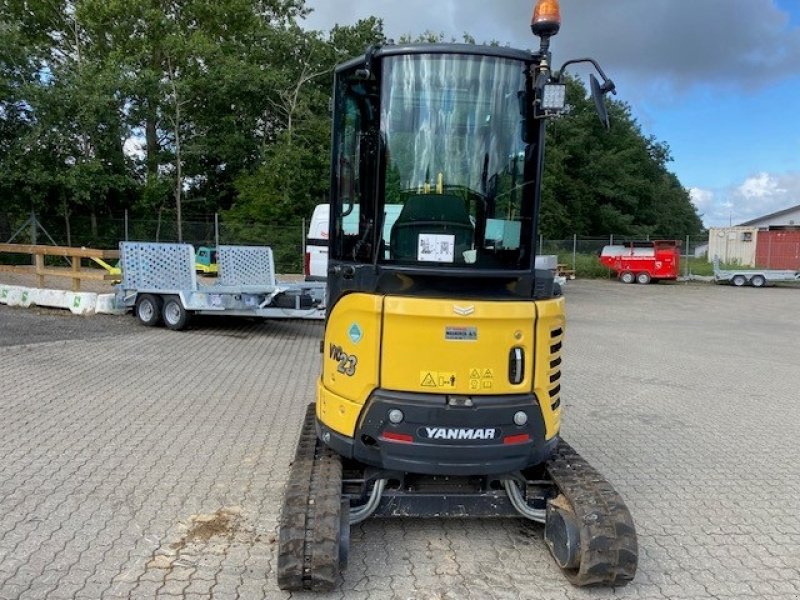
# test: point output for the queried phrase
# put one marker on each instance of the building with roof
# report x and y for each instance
(768, 242)
(788, 218)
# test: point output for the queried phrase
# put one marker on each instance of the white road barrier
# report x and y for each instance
(106, 304)
(78, 303)
(11, 295)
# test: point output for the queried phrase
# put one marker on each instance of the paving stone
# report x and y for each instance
(684, 396)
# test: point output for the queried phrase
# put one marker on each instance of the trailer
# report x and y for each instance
(643, 262)
(754, 277)
(160, 284)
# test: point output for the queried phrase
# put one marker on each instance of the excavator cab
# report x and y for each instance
(440, 391)
(444, 132)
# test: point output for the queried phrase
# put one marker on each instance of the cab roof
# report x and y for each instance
(469, 49)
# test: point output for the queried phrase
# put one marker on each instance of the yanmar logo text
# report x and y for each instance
(459, 433)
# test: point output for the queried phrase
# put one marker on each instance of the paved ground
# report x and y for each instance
(144, 463)
(20, 326)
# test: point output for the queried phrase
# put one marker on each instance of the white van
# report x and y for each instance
(316, 259)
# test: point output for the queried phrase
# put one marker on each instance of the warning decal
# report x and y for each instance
(481, 379)
(443, 380)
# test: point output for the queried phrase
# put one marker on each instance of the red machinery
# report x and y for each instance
(643, 262)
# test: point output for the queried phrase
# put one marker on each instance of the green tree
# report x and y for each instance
(599, 182)
(293, 173)
(196, 75)
(67, 152)
(228, 102)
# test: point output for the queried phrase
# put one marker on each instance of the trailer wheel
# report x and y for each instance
(643, 278)
(739, 280)
(627, 277)
(175, 316)
(148, 309)
(758, 281)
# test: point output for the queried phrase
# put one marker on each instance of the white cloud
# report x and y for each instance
(757, 195)
(762, 185)
(701, 198)
(661, 45)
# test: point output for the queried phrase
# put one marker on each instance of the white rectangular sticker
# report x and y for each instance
(434, 247)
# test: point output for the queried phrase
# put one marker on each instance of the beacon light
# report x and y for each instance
(546, 20)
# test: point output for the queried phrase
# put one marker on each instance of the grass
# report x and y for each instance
(587, 266)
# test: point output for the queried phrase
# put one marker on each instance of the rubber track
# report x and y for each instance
(608, 547)
(308, 537)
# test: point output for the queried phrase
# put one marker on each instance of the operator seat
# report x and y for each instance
(431, 214)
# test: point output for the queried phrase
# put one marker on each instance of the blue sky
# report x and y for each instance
(717, 80)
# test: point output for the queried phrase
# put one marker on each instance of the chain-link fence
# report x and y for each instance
(286, 240)
(578, 253)
(581, 254)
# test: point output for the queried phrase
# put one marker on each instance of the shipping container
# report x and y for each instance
(778, 250)
(733, 245)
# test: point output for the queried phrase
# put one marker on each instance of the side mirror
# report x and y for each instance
(598, 89)
(599, 102)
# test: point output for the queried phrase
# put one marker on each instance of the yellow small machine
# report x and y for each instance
(440, 392)
(205, 262)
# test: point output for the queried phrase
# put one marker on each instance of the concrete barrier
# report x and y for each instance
(11, 295)
(106, 304)
(78, 303)
(51, 298)
(26, 297)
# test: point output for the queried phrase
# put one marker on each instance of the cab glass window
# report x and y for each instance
(451, 126)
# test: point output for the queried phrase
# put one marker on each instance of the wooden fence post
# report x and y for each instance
(38, 260)
(76, 274)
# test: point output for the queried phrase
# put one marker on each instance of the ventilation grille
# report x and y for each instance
(554, 386)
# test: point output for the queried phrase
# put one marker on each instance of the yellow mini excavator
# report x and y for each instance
(440, 390)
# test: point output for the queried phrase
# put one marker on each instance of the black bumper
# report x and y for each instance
(438, 438)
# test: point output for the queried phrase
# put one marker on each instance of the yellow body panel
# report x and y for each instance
(422, 351)
(340, 414)
(436, 346)
(351, 356)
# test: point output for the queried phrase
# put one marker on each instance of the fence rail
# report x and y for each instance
(73, 255)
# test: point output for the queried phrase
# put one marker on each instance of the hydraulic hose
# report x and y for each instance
(364, 511)
(519, 503)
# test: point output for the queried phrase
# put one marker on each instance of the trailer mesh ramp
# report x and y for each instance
(157, 266)
(246, 266)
